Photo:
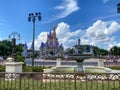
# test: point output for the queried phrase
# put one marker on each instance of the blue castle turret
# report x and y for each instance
(25, 53)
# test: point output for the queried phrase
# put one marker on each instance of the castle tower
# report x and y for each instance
(54, 35)
(25, 53)
(91, 50)
(78, 41)
(52, 46)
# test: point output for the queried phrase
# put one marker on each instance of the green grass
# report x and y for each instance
(115, 67)
(32, 84)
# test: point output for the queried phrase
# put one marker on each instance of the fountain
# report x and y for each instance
(80, 68)
(80, 55)
(79, 59)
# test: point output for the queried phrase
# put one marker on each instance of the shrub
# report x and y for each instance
(32, 69)
(37, 69)
(2, 68)
(20, 59)
(27, 69)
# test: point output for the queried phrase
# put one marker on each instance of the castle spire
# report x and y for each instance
(54, 34)
(78, 41)
(54, 30)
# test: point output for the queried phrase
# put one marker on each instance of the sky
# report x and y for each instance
(95, 22)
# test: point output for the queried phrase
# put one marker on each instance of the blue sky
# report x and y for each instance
(95, 22)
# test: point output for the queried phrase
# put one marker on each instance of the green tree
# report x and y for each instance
(97, 51)
(87, 47)
(69, 50)
(19, 49)
(115, 50)
(6, 48)
(20, 59)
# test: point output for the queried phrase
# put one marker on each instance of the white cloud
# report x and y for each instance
(1, 39)
(101, 34)
(65, 35)
(114, 43)
(64, 9)
(118, 44)
(67, 8)
(41, 38)
(101, 30)
(113, 28)
(104, 1)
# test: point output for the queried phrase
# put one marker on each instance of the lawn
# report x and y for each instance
(57, 84)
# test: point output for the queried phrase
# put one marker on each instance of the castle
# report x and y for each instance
(52, 47)
(81, 49)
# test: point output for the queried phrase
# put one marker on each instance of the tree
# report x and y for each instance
(69, 50)
(115, 50)
(96, 50)
(20, 59)
(87, 47)
(6, 48)
(19, 49)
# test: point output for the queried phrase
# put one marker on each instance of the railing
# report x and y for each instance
(59, 81)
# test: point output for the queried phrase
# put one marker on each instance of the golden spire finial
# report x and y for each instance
(54, 27)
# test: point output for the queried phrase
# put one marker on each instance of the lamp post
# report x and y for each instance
(32, 18)
(113, 51)
(13, 37)
(118, 8)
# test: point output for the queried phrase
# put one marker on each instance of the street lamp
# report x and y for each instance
(13, 35)
(32, 18)
(113, 51)
(118, 8)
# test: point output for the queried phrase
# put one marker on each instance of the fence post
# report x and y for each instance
(75, 85)
(19, 81)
